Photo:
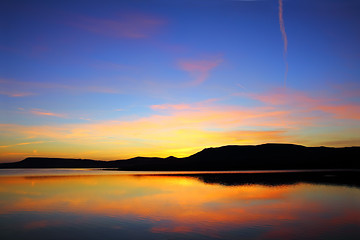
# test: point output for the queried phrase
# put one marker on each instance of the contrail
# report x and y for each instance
(284, 37)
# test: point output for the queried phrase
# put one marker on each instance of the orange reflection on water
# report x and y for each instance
(178, 204)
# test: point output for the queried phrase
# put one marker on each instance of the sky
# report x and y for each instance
(117, 79)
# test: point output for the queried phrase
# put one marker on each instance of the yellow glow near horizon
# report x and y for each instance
(182, 130)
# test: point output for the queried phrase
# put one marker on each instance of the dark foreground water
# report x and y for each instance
(83, 204)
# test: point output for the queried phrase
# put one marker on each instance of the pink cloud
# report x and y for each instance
(16, 94)
(199, 69)
(210, 114)
(171, 107)
(125, 26)
(43, 113)
(99, 89)
(348, 111)
(285, 97)
(301, 101)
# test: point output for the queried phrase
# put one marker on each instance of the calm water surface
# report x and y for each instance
(88, 204)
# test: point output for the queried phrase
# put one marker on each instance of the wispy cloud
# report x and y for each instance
(171, 106)
(16, 94)
(342, 111)
(15, 88)
(127, 25)
(199, 69)
(285, 97)
(284, 37)
(21, 144)
(301, 101)
(46, 113)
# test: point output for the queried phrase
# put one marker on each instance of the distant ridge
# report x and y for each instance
(274, 156)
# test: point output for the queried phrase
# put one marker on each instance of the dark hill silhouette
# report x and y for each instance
(33, 162)
(260, 157)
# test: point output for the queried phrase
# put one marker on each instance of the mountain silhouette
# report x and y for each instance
(232, 157)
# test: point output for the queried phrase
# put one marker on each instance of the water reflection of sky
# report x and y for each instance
(173, 207)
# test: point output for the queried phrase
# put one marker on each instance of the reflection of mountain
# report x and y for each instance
(261, 157)
(338, 178)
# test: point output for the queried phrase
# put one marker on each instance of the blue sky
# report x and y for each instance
(115, 79)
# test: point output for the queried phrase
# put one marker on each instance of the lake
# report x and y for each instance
(98, 204)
